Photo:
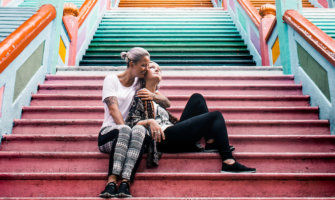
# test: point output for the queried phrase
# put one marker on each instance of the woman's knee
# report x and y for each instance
(139, 130)
(197, 96)
(124, 129)
(217, 115)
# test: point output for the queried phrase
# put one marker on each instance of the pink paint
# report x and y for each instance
(81, 37)
(265, 26)
(2, 90)
(5, 2)
(255, 40)
(108, 4)
(232, 5)
(323, 3)
(102, 5)
(224, 5)
(71, 25)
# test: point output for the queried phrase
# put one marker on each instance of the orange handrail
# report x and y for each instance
(17, 41)
(322, 42)
(85, 10)
(251, 11)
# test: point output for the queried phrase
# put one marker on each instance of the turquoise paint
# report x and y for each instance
(282, 6)
(314, 70)
(28, 70)
(241, 18)
(55, 34)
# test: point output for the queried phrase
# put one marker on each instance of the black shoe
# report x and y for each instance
(109, 192)
(211, 148)
(236, 168)
(124, 191)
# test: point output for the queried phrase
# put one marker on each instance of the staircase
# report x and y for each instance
(174, 37)
(34, 3)
(11, 18)
(323, 18)
(53, 154)
(259, 3)
(166, 3)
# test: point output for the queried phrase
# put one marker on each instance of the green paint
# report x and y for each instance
(314, 70)
(284, 44)
(28, 70)
(55, 33)
(242, 20)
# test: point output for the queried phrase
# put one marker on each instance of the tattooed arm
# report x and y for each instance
(157, 97)
(113, 108)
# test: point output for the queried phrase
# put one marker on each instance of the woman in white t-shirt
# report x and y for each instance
(122, 143)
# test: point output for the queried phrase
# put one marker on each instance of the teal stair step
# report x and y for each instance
(180, 49)
(157, 36)
(195, 28)
(179, 57)
(11, 23)
(15, 26)
(165, 40)
(166, 32)
(169, 54)
(14, 19)
(167, 20)
(168, 44)
(165, 24)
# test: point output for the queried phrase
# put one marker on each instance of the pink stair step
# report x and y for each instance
(97, 112)
(236, 89)
(179, 198)
(242, 143)
(177, 100)
(187, 162)
(235, 127)
(172, 184)
(277, 79)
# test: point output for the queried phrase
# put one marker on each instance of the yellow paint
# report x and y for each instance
(275, 51)
(62, 50)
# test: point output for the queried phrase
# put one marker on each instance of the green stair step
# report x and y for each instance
(167, 36)
(166, 40)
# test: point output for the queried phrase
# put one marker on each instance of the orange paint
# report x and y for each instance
(85, 10)
(322, 42)
(251, 11)
(17, 41)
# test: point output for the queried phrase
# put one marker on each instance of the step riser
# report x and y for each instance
(53, 102)
(167, 165)
(241, 145)
(256, 129)
(168, 188)
(245, 115)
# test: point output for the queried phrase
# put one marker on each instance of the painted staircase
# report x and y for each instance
(259, 3)
(323, 18)
(53, 154)
(34, 3)
(11, 18)
(166, 3)
(174, 37)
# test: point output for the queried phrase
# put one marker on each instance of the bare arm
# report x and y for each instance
(113, 108)
(156, 131)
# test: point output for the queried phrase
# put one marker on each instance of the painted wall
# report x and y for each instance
(247, 29)
(316, 75)
(274, 48)
(10, 3)
(322, 3)
(64, 45)
(21, 78)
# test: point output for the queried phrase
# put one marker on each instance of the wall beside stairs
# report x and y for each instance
(322, 3)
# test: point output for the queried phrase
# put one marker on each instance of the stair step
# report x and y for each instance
(242, 143)
(176, 100)
(235, 127)
(97, 112)
(190, 162)
(174, 184)
(179, 198)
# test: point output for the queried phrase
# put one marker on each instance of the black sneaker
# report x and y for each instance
(124, 191)
(236, 168)
(109, 192)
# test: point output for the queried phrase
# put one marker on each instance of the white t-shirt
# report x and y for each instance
(113, 87)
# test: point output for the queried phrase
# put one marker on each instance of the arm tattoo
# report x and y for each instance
(110, 101)
(162, 102)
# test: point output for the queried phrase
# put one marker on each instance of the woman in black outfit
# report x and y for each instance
(195, 123)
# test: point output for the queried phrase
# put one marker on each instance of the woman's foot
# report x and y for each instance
(124, 190)
(109, 192)
(236, 168)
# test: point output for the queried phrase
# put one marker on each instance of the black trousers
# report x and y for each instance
(195, 123)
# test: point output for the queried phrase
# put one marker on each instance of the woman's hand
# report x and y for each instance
(145, 95)
(156, 131)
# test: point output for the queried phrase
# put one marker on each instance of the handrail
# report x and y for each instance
(85, 10)
(16, 42)
(251, 11)
(322, 42)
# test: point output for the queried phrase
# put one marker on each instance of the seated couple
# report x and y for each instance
(132, 122)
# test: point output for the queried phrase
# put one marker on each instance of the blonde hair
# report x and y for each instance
(134, 54)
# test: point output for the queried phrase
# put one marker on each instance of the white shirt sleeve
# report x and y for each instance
(109, 87)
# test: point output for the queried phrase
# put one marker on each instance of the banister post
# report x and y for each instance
(70, 20)
(55, 34)
(281, 7)
(268, 14)
(225, 4)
